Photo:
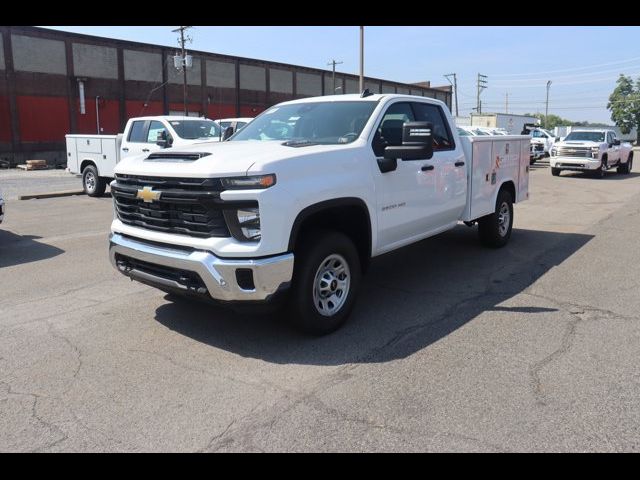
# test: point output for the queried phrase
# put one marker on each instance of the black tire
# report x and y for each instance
(555, 172)
(92, 184)
(491, 228)
(626, 167)
(320, 250)
(532, 161)
(601, 171)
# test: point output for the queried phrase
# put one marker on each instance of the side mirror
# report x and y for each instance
(161, 140)
(557, 139)
(227, 133)
(616, 142)
(417, 143)
(387, 164)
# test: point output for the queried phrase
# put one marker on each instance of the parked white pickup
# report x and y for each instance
(95, 156)
(594, 151)
(305, 195)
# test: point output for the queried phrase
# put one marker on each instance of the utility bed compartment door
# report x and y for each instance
(89, 145)
(72, 155)
(494, 160)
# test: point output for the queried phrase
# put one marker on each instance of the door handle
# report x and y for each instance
(426, 167)
(125, 149)
(145, 149)
(459, 164)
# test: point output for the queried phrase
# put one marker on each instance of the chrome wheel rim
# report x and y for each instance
(331, 285)
(90, 181)
(504, 217)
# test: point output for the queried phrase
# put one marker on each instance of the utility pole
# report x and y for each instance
(482, 84)
(546, 110)
(361, 59)
(334, 63)
(184, 66)
(455, 87)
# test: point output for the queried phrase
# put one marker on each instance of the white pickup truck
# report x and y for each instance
(593, 151)
(94, 157)
(304, 196)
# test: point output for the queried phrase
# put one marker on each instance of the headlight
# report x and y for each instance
(255, 181)
(595, 152)
(244, 224)
(554, 151)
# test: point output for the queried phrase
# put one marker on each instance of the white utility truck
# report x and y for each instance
(304, 196)
(95, 156)
(594, 151)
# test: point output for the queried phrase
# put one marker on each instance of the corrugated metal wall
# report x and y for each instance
(40, 70)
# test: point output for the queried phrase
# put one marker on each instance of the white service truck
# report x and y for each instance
(94, 157)
(594, 151)
(297, 203)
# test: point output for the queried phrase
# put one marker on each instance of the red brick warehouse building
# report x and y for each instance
(45, 75)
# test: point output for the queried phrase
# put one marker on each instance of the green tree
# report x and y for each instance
(624, 104)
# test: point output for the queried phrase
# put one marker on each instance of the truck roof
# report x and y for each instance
(350, 97)
(168, 117)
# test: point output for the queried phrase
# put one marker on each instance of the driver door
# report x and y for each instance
(404, 196)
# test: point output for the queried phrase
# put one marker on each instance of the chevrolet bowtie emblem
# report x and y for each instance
(148, 195)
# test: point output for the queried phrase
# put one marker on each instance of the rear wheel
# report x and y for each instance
(625, 168)
(93, 185)
(326, 278)
(495, 229)
(555, 172)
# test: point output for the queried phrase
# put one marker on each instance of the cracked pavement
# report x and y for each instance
(451, 347)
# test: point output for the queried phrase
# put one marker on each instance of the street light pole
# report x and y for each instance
(455, 87)
(546, 110)
(334, 63)
(361, 59)
(184, 67)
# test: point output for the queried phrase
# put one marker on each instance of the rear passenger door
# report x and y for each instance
(449, 169)
(135, 140)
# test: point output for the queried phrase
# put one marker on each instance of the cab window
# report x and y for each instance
(389, 130)
(155, 128)
(442, 138)
(137, 132)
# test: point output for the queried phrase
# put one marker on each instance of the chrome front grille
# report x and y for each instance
(580, 152)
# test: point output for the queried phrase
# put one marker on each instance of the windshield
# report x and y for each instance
(303, 123)
(194, 129)
(586, 136)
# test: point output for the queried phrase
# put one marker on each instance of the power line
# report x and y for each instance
(566, 69)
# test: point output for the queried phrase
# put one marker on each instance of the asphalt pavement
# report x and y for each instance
(451, 347)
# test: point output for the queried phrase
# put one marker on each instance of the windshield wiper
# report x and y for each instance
(299, 143)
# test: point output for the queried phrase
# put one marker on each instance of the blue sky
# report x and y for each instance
(581, 62)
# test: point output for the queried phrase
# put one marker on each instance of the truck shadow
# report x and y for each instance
(611, 175)
(408, 300)
(19, 249)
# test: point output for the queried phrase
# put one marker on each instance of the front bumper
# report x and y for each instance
(574, 163)
(200, 272)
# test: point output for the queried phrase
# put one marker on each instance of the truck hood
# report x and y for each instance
(220, 159)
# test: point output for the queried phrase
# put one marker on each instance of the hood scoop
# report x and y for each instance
(176, 156)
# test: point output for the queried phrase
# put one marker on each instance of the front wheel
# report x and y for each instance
(555, 172)
(326, 279)
(93, 185)
(602, 170)
(495, 229)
